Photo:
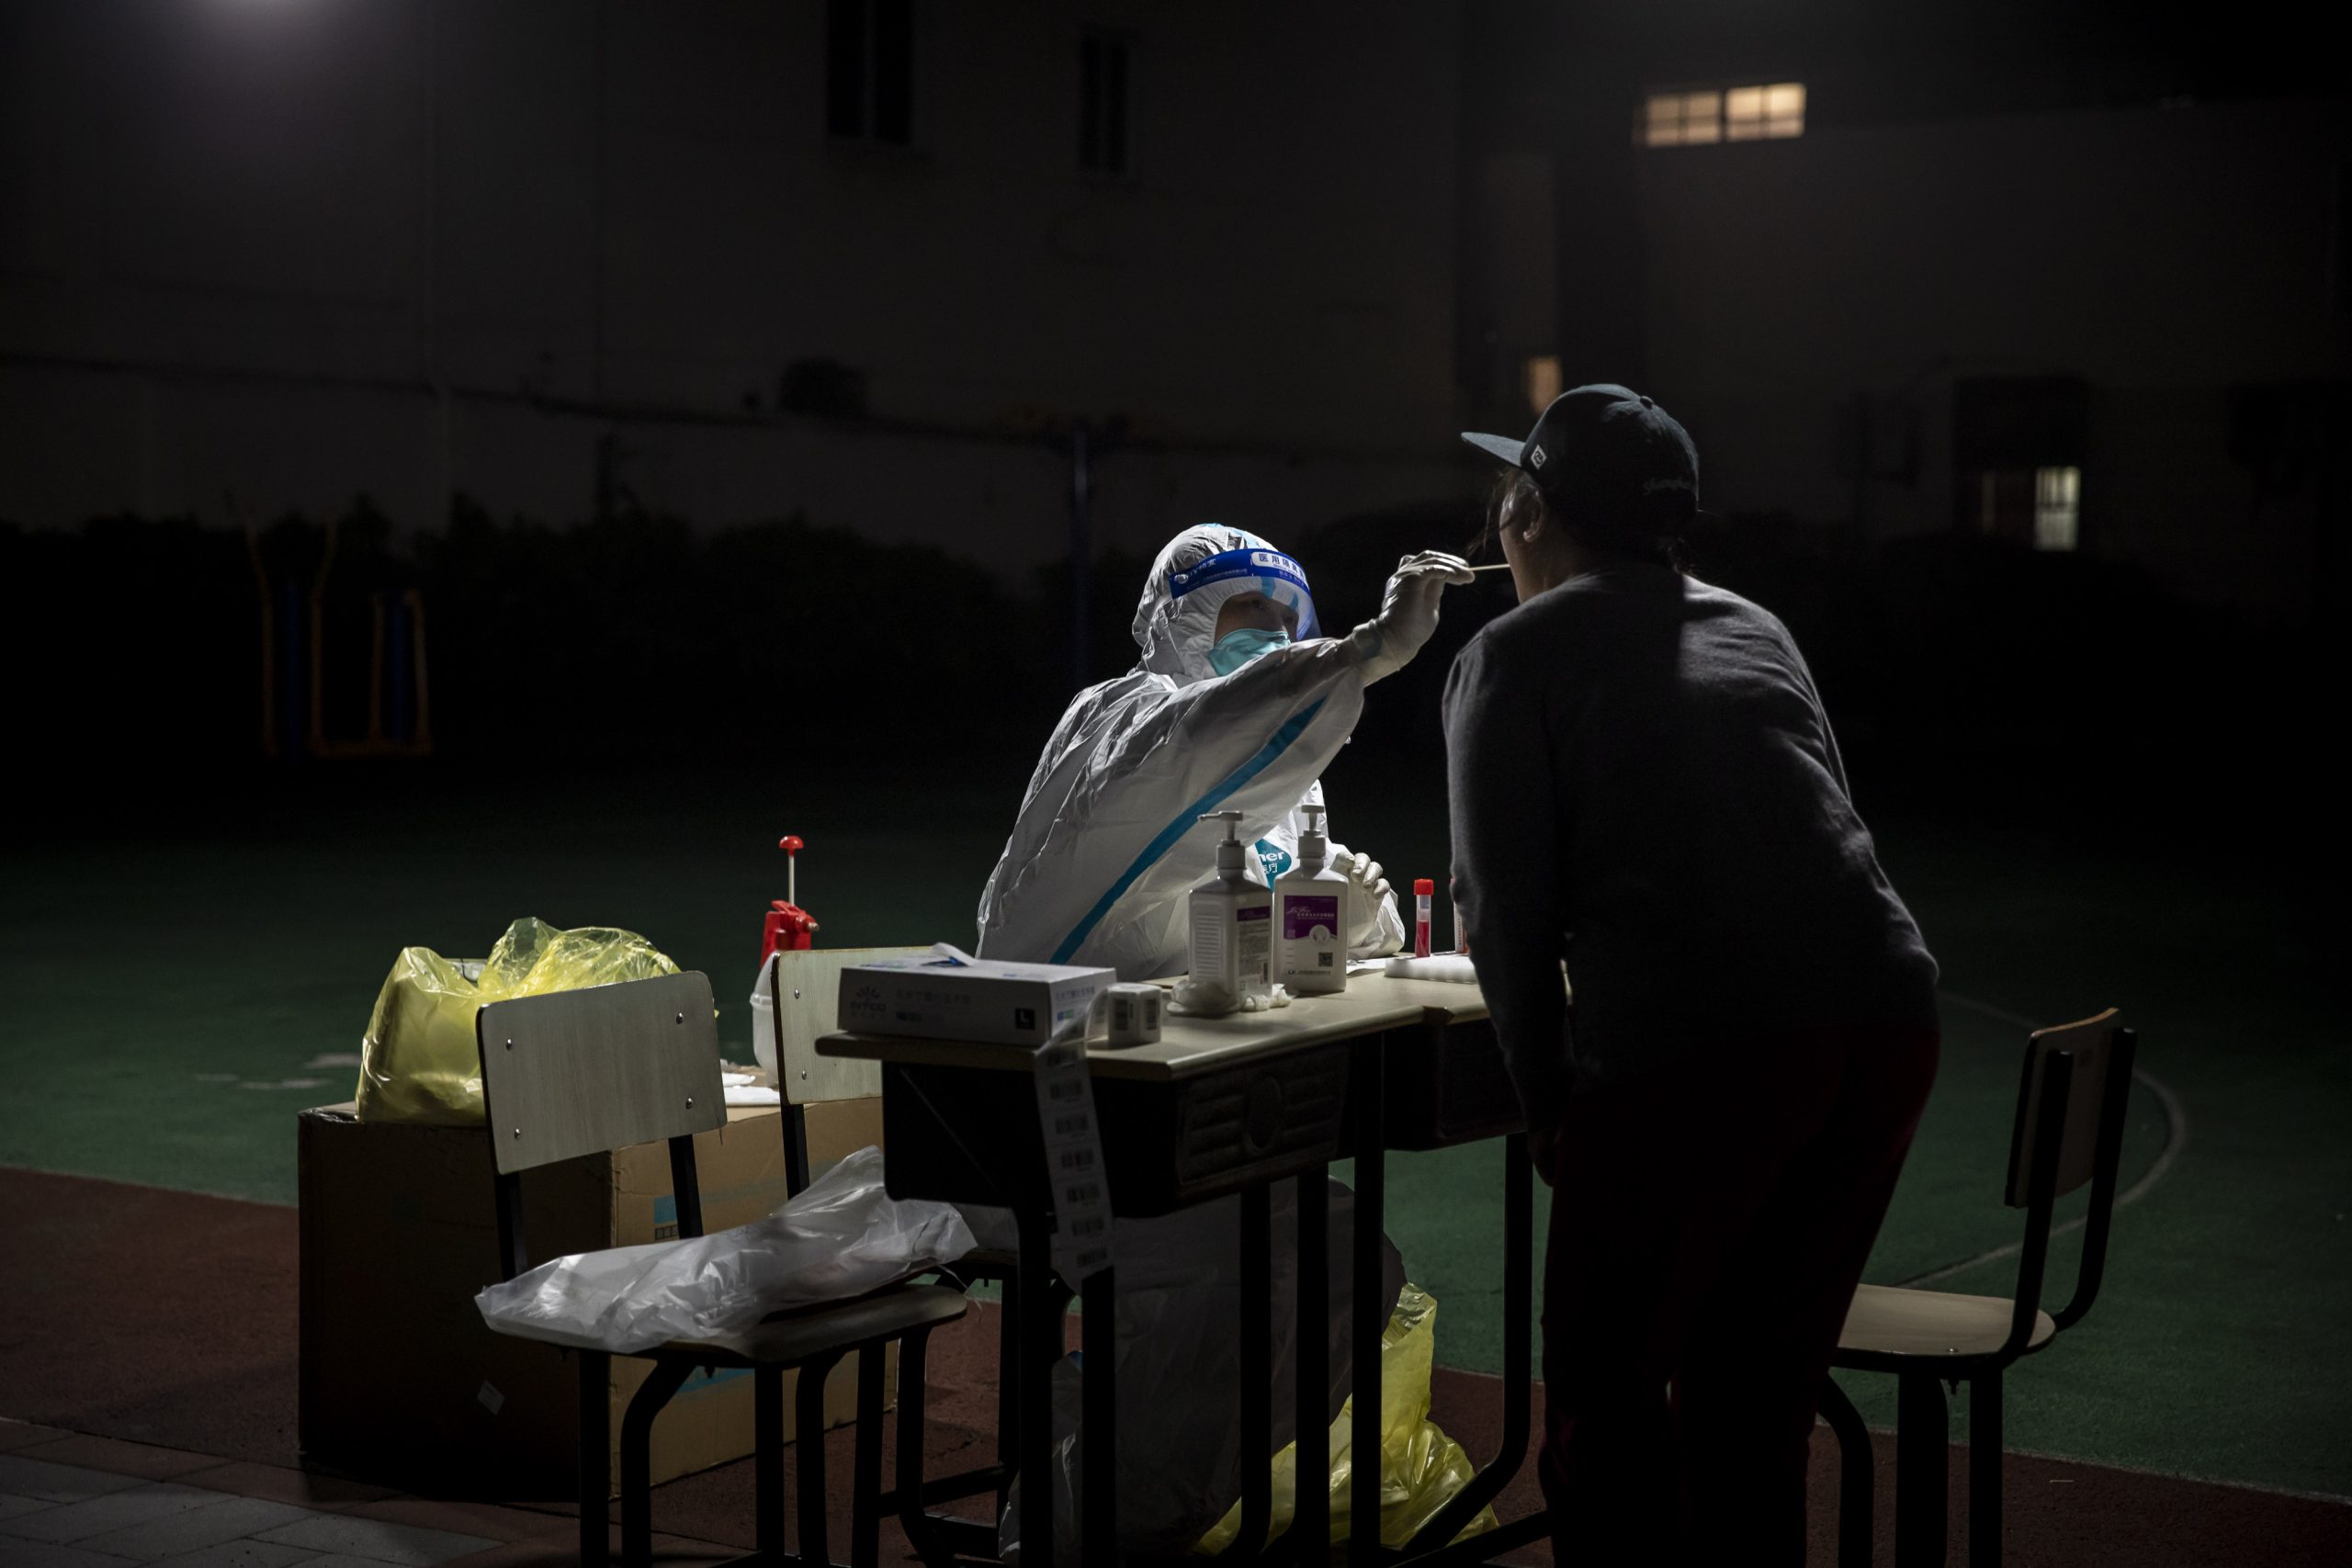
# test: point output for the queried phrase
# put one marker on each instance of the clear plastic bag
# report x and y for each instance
(418, 1062)
(1421, 1467)
(842, 1238)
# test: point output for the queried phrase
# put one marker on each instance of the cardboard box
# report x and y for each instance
(401, 1381)
(941, 997)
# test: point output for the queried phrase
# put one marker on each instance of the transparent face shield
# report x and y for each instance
(1269, 572)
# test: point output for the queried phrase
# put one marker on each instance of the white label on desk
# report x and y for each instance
(1073, 1160)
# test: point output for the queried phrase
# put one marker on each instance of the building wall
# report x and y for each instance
(298, 252)
(2165, 255)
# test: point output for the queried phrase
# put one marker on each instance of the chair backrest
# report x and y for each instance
(804, 989)
(583, 1072)
(2069, 1130)
(2089, 1049)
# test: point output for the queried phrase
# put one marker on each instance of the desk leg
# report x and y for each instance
(1311, 1524)
(1041, 1347)
(1364, 1430)
(1007, 1373)
(1518, 1356)
(1100, 1324)
(1257, 1374)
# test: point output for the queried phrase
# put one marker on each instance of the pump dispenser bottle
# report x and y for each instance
(1310, 917)
(1233, 918)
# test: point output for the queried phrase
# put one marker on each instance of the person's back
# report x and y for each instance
(1643, 784)
(1707, 821)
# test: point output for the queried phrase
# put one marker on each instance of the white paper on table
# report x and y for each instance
(1453, 966)
(752, 1094)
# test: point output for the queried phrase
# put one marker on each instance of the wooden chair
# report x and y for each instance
(585, 1072)
(804, 993)
(2069, 1129)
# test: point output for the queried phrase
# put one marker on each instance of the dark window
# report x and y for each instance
(845, 68)
(1102, 104)
(2018, 451)
(869, 71)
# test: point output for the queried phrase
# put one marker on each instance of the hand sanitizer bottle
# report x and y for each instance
(1233, 921)
(1310, 922)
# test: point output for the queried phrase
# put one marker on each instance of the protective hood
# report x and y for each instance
(1200, 569)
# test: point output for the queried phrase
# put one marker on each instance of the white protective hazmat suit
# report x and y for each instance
(1097, 870)
(1108, 840)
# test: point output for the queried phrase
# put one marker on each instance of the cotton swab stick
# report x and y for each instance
(1498, 566)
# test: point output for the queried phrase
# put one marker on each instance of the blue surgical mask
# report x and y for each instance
(1238, 647)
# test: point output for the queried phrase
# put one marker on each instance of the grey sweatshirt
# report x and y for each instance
(1644, 783)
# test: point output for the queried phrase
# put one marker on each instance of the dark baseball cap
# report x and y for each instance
(1608, 449)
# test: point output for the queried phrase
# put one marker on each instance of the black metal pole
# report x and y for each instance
(1082, 559)
(1041, 1347)
(1257, 1374)
(1519, 1355)
(1855, 1469)
(767, 1448)
(595, 1458)
(1922, 1452)
(808, 1457)
(1099, 1330)
(1985, 1449)
(1364, 1430)
(1311, 1523)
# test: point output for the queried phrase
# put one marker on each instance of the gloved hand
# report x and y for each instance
(1374, 929)
(1408, 618)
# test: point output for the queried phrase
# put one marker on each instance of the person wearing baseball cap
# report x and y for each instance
(1609, 462)
(1643, 786)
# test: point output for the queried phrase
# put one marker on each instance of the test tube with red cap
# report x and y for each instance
(1424, 889)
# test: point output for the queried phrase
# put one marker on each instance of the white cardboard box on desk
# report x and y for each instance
(947, 994)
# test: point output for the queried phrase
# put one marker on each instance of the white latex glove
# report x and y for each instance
(1374, 928)
(1408, 618)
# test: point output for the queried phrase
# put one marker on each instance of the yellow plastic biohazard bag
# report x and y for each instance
(418, 1061)
(1421, 1467)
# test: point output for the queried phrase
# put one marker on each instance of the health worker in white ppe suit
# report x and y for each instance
(1238, 703)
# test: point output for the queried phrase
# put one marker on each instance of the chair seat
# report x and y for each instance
(803, 1337)
(1891, 1329)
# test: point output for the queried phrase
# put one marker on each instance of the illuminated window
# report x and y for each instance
(1738, 114)
(1676, 120)
(2057, 508)
(1755, 114)
(1543, 381)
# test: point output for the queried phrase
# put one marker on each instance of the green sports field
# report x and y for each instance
(179, 991)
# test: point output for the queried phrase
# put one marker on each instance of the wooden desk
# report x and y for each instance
(1220, 1107)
